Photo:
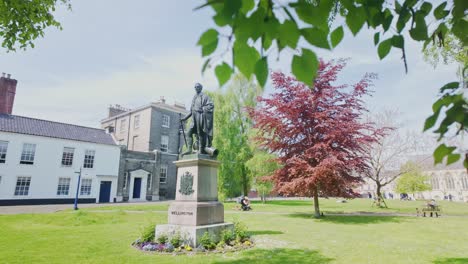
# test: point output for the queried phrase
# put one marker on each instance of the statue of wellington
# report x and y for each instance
(201, 112)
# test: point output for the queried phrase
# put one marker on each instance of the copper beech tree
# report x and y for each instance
(317, 132)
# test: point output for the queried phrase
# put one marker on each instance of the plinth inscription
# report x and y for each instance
(181, 213)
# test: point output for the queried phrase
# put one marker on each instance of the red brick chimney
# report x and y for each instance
(7, 93)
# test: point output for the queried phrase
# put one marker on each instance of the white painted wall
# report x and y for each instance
(47, 167)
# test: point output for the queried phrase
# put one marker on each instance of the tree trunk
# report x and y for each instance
(379, 195)
(316, 204)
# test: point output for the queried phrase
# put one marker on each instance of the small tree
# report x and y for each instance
(317, 133)
(413, 181)
(261, 165)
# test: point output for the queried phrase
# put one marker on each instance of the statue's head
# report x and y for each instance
(198, 87)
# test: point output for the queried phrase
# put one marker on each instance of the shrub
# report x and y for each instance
(207, 241)
(162, 239)
(176, 240)
(147, 233)
(227, 235)
(240, 231)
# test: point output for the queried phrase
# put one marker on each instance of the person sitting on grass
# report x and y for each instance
(245, 204)
(432, 204)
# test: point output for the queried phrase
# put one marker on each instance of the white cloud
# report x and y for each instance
(85, 101)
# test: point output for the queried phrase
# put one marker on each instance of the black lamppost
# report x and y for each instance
(75, 207)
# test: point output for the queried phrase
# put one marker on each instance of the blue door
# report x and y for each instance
(136, 188)
(105, 191)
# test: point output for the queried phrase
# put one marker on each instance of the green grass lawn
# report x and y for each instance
(284, 232)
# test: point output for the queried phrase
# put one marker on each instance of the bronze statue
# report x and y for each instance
(201, 112)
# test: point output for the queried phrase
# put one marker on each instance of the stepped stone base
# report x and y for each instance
(192, 234)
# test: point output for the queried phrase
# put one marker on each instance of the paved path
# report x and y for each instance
(51, 208)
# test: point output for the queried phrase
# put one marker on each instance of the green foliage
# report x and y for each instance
(240, 231)
(233, 125)
(260, 165)
(176, 240)
(147, 233)
(227, 235)
(207, 241)
(254, 26)
(412, 180)
(162, 239)
(22, 22)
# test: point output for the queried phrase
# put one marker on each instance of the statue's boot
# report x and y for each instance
(202, 145)
(189, 147)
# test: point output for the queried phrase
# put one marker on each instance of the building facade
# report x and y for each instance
(40, 162)
(150, 138)
(447, 182)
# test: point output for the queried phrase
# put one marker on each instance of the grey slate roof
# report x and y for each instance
(45, 128)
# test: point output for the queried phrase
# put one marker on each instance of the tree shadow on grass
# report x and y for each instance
(451, 261)
(349, 219)
(280, 256)
(265, 232)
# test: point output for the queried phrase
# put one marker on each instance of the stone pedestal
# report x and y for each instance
(196, 209)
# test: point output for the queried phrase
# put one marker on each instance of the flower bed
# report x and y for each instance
(228, 241)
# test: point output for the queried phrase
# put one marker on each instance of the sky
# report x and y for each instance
(133, 52)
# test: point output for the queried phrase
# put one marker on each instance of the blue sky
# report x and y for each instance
(133, 52)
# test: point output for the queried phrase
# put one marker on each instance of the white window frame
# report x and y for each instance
(24, 187)
(85, 189)
(164, 143)
(136, 121)
(149, 181)
(3, 151)
(163, 172)
(67, 156)
(464, 181)
(63, 186)
(28, 154)
(124, 185)
(88, 162)
(166, 120)
(123, 125)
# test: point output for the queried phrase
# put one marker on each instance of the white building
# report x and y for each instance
(447, 182)
(39, 161)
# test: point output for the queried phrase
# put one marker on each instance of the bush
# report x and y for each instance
(162, 239)
(227, 235)
(176, 240)
(240, 231)
(147, 233)
(207, 241)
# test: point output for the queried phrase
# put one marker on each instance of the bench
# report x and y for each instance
(429, 209)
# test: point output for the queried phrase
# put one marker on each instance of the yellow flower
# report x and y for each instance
(188, 248)
(247, 243)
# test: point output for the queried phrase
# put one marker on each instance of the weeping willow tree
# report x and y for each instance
(232, 127)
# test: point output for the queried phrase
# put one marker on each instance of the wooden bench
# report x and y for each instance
(429, 209)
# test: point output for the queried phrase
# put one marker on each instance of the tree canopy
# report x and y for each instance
(254, 30)
(22, 22)
(412, 181)
(317, 133)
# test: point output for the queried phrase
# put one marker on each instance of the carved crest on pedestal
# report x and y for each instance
(186, 183)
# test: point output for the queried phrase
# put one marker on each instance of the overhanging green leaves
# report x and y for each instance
(384, 48)
(336, 36)
(209, 41)
(245, 58)
(261, 71)
(316, 37)
(355, 19)
(305, 66)
(223, 73)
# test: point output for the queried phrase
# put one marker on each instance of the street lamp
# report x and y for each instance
(75, 207)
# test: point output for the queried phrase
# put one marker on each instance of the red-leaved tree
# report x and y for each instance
(318, 133)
